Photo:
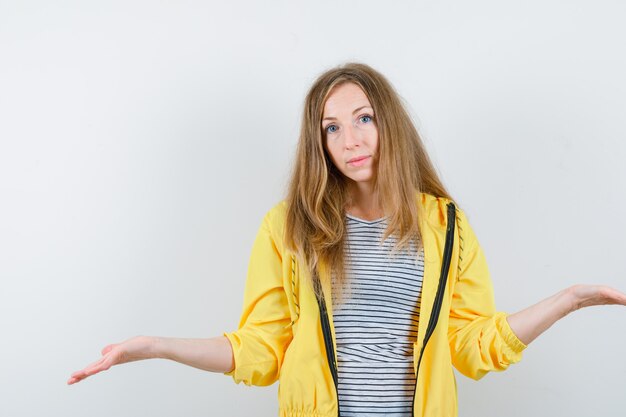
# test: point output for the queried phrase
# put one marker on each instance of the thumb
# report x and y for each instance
(107, 349)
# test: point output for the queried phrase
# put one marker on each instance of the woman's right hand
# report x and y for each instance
(134, 349)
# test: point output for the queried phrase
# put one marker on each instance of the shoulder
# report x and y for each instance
(434, 209)
(275, 216)
(435, 212)
(273, 223)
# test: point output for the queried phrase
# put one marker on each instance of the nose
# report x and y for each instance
(352, 137)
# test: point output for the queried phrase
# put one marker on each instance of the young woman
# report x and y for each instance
(367, 284)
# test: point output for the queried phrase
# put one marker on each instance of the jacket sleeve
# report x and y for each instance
(480, 338)
(263, 335)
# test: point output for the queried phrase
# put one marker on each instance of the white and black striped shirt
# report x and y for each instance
(376, 326)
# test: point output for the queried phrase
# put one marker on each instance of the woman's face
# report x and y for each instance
(350, 133)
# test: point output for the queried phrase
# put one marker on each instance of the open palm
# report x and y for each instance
(130, 350)
(593, 295)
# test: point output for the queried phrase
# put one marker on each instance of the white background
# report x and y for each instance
(141, 143)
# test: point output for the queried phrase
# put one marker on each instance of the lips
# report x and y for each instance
(357, 159)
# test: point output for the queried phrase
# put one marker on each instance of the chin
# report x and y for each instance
(362, 179)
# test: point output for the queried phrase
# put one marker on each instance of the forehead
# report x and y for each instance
(345, 98)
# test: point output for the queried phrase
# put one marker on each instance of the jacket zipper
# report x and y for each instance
(328, 338)
(434, 316)
(432, 323)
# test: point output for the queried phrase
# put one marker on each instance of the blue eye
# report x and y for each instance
(329, 129)
(367, 119)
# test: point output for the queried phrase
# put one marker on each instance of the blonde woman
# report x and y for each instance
(366, 285)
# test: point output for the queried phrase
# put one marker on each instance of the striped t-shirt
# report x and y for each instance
(376, 326)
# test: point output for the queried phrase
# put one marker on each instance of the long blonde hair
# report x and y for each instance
(317, 195)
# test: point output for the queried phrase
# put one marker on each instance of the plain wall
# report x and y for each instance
(142, 142)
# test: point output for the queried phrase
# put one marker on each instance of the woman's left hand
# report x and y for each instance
(534, 320)
(593, 295)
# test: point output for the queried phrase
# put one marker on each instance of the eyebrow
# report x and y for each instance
(355, 111)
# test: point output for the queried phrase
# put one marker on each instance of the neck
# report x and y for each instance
(364, 202)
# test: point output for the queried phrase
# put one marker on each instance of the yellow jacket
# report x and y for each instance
(280, 334)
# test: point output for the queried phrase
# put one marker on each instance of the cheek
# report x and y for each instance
(374, 142)
(332, 152)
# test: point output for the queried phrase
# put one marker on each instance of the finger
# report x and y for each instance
(107, 349)
(96, 363)
(619, 297)
(73, 381)
(76, 377)
(611, 295)
(89, 369)
(94, 369)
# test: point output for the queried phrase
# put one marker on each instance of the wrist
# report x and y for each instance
(572, 300)
(156, 347)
